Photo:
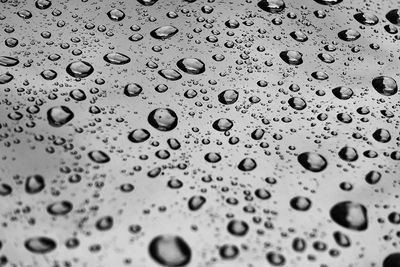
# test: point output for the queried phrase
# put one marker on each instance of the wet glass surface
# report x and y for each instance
(199, 133)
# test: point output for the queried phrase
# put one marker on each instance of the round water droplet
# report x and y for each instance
(222, 125)
(59, 116)
(8, 61)
(393, 16)
(228, 97)
(59, 208)
(342, 92)
(312, 161)
(164, 32)
(104, 223)
(385, 85)
(196, 202)
(300, 203)
(272, 6)
(40, 244)
(170, 74)
(350, 215)
(139, 135)
(238, 227)
(98, 156)
(366, 18)
(132, 89)
(348, 154)
(349, 35)
(382, 135)
(247, 164)
(34, 184)
(116, 58)
(297, 103)
(328, 2)
(147, 2)
(191, 65)
(79, 69)
(170, 250)
(116, 14)
(163, 119)
(292, 57)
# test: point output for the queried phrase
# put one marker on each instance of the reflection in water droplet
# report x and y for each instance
(292, 57)
(350, 215)
(116, 58)
(40, 245)
(8, 61)
(272, 6)
(349, 35)
(170, 250)
(164, 32)
(98, 156)
(59, 116)
(384, 85)
(163, 119)
(79, 69)
(312, 161)
(191, 65)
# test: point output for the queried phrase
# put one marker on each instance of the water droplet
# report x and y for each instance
(350, 215)
(164, 32)
(59, 116)
(312, 161)
(40, 245)
(79, 69)
(116, 58)
(170, 250)
(163, 119)
(191, 65)
(384, 85)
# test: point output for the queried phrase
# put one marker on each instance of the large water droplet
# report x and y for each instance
(79, 69)
(350, 215)
(40, 245)
(164, 32)
(163, 119)
(385, 85)
(59, 116)
(191, 65)
(170, 250)
(312, 161)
